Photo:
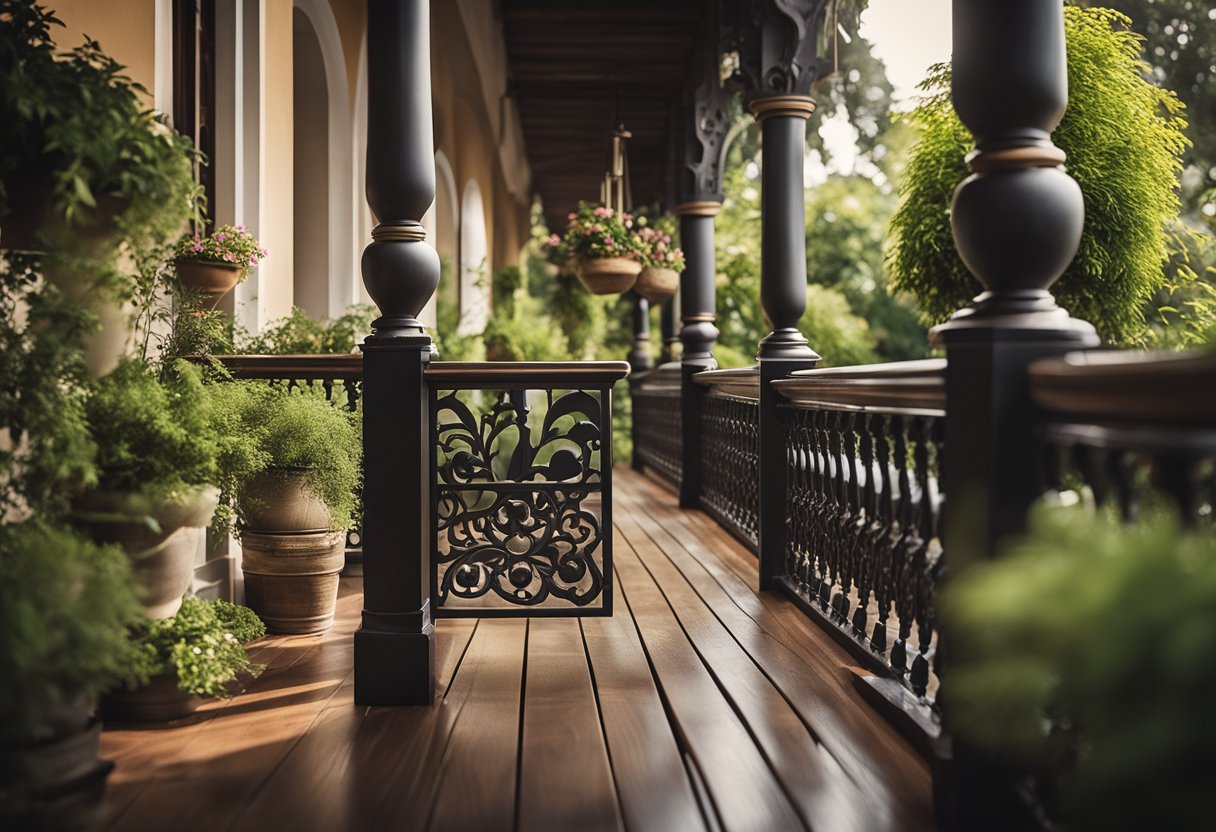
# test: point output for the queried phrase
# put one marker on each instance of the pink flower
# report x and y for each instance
(629, 223)
(666, 238)
(554, 240)
(570, 216)
(602, 212)
(196, 247)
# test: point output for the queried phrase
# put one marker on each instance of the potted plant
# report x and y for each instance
(293, 468)
(210, 265)
(155, 462)
(65, 608)
(197, 652)
(84, 169)
(661, 262)
(603, 241)
(1123, 137)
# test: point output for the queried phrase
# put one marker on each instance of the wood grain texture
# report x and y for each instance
(701, 703)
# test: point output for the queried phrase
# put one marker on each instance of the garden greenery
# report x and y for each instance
(266, 427)
(202, 645)
(298, 334)
(65, 608)
(1123, 137)
(596, 231)
(1086, 657)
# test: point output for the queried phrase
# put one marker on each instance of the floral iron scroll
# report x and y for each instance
(518, 507)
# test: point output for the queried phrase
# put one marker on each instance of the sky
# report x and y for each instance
(909, 36)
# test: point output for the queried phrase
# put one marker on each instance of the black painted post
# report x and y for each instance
(668, 329)
(394, 649)
(639, 357)
(783, 295)
(697, 334)
(1017, 224)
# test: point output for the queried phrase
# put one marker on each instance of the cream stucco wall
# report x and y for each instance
(126, 30)
(277, 271)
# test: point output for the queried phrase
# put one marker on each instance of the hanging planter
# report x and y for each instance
(209, 266)
(661, 262)
(605, 246)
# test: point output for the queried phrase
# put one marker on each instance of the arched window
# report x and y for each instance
(474, 262)
(323, 162)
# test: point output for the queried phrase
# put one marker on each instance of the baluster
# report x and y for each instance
(327, 385)
(840, 540)
(865, 559)
(901, 543)
(882, 535)
(918, 579)
(352, 394)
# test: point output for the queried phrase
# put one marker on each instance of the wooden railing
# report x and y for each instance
(657, 423)
(730, 413)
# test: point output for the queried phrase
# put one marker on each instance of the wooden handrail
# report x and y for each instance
(1153, 389)
(338, 366)
(743, 382)
(663, 377)
(503, 373)
(903, 385)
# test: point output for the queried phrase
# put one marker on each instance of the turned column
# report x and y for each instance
(697, 332)
(639, 356)
(668, 329)
(394, 650)
(1017, 223)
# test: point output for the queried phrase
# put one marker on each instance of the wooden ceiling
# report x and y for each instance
(576, 67)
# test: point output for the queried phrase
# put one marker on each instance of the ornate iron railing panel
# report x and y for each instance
(658, 430)
(730, 479)
(521, 497)
(863, 544)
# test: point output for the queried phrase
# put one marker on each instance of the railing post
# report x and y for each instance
(1017, 224)
(781, 65)
(668, 315)
(639, 362)
(698, 333)
(394, 649)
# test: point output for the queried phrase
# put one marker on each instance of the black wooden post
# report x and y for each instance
(697, 333)
(669, 331)
(1017, 224)
(639, 356)
(781, 65)
(394, 650)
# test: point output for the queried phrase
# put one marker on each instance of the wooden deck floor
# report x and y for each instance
(701, 704)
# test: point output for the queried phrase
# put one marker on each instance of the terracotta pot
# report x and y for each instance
(608, 275)
(291, 580)
(279, 500)
(58, 781)
(163, 560)
(161, 700)
(657, 284)
(208, 279)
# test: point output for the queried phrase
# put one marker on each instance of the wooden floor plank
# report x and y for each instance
(651, 781)
(477, 775)
(745, 794)
(327, 765)
(819, 789)
(810, 668)
(565, 781)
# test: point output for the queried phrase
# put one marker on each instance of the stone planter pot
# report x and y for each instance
(608, 275)
(163, 560)
(291, 580)
(58, 781)
(209, 280)
(657, 284)
(279, 500)
(161, 700)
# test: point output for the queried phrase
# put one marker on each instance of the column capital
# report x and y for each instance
(792, 106)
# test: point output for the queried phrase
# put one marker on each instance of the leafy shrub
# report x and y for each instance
(150, 434)
(298, 334)
(1086, 657)
(265, 427)
(1123, 137)
(199, 644)
(242, 622)
(65, 606)
(840, 337)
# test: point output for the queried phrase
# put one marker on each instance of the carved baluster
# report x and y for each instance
(865, 552)
(327, 386)
(917, 579)
(902, 542)
(352, 387)
(882, 535)
(639, 356)
(394, 651)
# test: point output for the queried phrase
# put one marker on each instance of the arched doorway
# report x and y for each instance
(474, 262)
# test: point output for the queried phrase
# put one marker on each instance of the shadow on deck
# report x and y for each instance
(700, 704)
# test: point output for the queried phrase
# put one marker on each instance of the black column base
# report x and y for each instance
(394, 668)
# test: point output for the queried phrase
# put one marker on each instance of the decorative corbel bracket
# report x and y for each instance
(778, 43)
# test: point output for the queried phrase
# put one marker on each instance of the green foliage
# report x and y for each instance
(596, 231)
(504, 286)
(839, 336)
(1123, 137)
(200, 645)
(298, 334)
(227, 245)
(449, 343)
(242, 622)
(152, 435)
(74, 121)
(1087, 656)
(48, 457)
(267, 427)
(65, 606)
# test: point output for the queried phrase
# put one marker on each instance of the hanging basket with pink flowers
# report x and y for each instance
(605, 247)
(662, 261)
(208, 266)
